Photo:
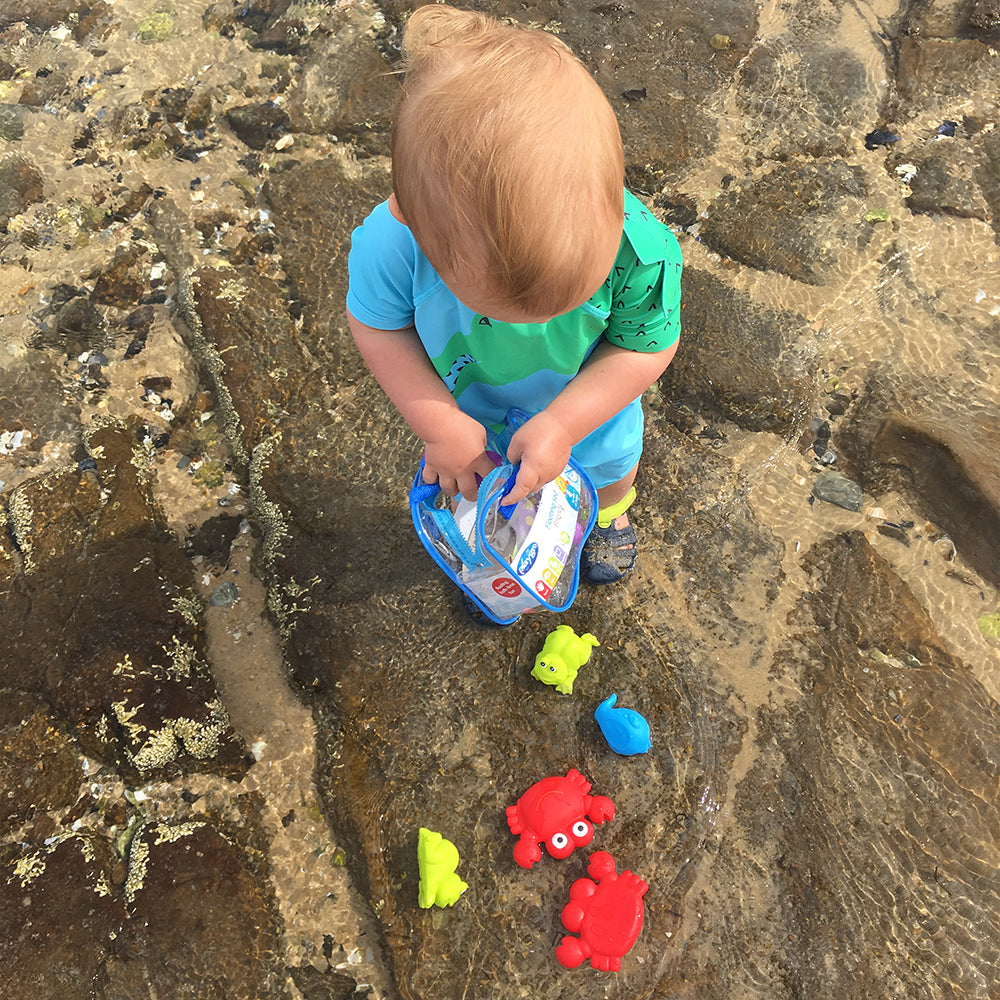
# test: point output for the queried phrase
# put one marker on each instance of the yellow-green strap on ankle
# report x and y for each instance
(607, 514)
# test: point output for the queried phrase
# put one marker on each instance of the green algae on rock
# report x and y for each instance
(157, 27)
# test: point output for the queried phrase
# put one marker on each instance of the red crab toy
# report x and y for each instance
(554, 811)
(606, 913)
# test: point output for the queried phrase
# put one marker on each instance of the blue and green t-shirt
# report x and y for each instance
(490, 366)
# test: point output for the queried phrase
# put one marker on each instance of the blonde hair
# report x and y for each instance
(506, 156)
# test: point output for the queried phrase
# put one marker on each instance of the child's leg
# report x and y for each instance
(609, 552)
(615, 493)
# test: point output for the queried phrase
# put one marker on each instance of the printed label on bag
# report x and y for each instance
(527, 559)
(506, 587)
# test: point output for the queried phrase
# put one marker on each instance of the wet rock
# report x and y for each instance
(895, 531)
(935, 190)
(256, 346)
(904, 746)
(798, 227)
(988, 177)
(345, 88)
(199, 915)
(124, 281)
(286, 36)
(945, 458)
(190, 911)
(938, 20)
(676, 209)
(943, 180)
(935, 74)
(836, 488)
(58, 917)
(39, 767)
(43, 15)
(315, 208)
(11, 122)
(329, 985)
(225, 595)
(842, 97)
(257, 124)
(31, 397)
(984, 16)
(259, 15)
(78, 327)
(21, 185)
(668, 129)
(737, 359)
(157, 27)
(127, 674)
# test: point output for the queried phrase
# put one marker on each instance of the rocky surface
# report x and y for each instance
(222, 798)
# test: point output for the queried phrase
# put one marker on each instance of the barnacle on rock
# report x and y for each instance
(189, 607)
(138, 861)
(21, 519)
(168, 833)
(182, 657)
(28, 868)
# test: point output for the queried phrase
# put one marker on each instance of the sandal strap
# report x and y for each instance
(606, 515)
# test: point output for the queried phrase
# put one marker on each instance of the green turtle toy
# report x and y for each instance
(562, 655)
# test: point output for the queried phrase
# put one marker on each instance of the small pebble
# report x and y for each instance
(895, 531)
(225, 595)
(835, 488)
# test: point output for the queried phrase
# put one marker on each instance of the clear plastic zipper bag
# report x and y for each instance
(515, 559)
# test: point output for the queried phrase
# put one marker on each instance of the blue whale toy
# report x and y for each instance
(626, 731)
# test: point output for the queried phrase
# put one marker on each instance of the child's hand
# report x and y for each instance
(542, 446)
(456, 457)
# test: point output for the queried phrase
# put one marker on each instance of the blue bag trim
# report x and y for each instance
(423, 496)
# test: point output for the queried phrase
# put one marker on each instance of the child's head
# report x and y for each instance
(507, 164)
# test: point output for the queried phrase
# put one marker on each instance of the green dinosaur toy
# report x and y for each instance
(562, 655)
(438, 859)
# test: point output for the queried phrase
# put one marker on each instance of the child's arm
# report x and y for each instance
(609, 380)
(454, 443)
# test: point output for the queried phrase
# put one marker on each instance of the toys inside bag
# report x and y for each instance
(509, 559)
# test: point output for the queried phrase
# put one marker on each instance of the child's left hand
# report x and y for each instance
(542, 446)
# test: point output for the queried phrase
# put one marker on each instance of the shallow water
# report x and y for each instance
(922, 295)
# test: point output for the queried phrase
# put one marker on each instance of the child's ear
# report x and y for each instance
(394, 209)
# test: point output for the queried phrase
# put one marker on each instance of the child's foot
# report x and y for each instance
(609, 553)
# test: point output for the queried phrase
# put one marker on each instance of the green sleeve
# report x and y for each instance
(645, 284)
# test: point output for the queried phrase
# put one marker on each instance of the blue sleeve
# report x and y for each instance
(380, 271)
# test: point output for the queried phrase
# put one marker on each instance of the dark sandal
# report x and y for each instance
(609, 554)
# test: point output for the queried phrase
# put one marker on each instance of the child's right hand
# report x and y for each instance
(455, 458)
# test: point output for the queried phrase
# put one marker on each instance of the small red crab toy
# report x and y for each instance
(554, 811)
(606, 913)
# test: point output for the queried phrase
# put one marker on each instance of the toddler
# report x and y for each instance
(510, 268)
